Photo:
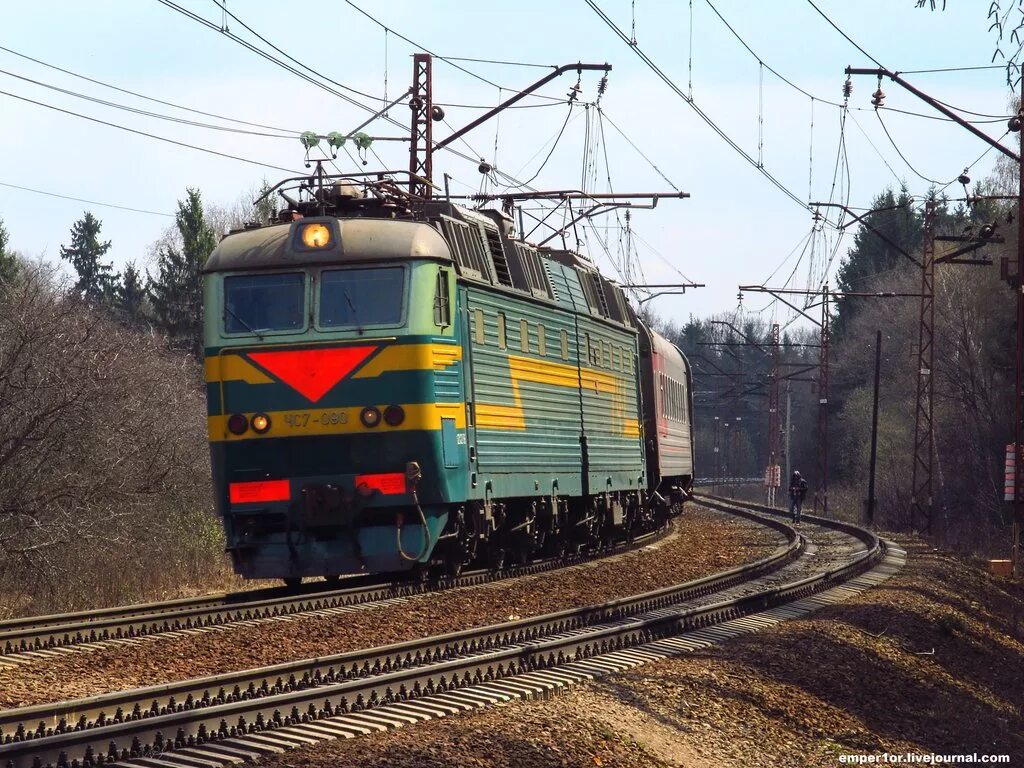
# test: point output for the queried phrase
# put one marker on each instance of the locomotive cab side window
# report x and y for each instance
(361, 297)
(442, 303)
(254, 304)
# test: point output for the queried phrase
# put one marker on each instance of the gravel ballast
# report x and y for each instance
(931, 661)
(703, 543)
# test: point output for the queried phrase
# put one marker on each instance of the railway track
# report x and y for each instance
(228, 718)
(37, 638)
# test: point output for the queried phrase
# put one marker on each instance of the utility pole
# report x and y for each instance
(924, 440)
(772, 474)
(874, 431)
(736, 456)
(823, 356)
(725, 453)
(789, 426)
(718, 467)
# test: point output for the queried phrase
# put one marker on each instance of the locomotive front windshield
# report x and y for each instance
(356, 298)
(257, 303)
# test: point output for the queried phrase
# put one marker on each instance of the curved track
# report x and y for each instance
(34, 638)
(224, 718)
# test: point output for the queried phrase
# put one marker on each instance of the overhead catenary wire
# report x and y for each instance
(260, 52)
(903, 157)
(149, 135)
(604, 116)
(445, 59)
(493, 61)
(761, 61)
(138, 95)
(836, 27)
(875, 148)
(554, 145)
(147, 113)
(693, 105)
(83, 200)
(949, 69)
(224, 6)
(343, 96)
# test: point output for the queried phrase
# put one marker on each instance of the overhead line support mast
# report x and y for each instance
(1014, 125)
(924, 436)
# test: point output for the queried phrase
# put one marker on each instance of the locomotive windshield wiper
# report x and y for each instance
(355, 315)
(242, 322)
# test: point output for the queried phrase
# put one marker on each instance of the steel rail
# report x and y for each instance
(56, 718)
(44, 633)
(149, 736)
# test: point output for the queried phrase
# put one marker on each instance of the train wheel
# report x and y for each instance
(496, 559)
(453, 568)
(420, 573)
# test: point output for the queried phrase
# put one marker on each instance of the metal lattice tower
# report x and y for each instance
(422, 144)
(823, 401)
(924, 440)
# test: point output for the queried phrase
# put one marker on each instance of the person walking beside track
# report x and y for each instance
(797, 492)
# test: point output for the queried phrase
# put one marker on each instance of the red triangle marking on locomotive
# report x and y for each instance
(312, 372)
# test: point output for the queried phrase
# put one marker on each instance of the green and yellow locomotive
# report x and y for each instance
(396, 383)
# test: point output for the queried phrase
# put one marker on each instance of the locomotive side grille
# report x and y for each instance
(498, 256)
(466, 244)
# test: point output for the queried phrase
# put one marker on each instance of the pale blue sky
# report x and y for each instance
(735, 229)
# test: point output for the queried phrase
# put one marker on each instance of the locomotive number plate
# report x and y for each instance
(304, 419)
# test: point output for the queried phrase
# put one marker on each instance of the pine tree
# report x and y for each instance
(8, 261)
(871, 255)
(130, 297)
(96, 280)
(176, 293)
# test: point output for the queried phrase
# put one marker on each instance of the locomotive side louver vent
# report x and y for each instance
(536, 275)
(497, 256)
(592, 289)
(555, 293)
(467, 248)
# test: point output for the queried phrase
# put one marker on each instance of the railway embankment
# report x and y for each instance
(701, 543)
(929, 662)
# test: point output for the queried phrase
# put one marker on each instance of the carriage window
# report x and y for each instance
(257, 303)
(542, 341)
(524, 336)
(564, 339)
(356, 298)
(502, 341)
(478, 327)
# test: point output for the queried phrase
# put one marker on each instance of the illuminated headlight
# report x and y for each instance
(370, 416)
(315, 235)
(394, 415)
(237, 424)
(260, 423)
